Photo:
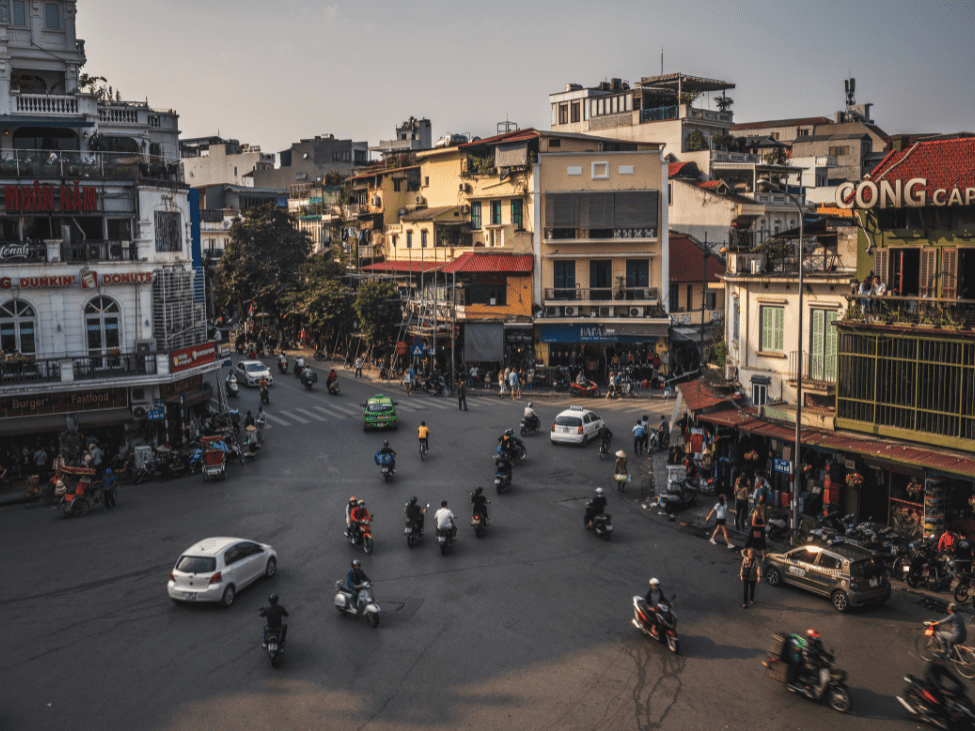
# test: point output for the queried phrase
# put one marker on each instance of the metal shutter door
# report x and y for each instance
(637, 208)
(596, 210)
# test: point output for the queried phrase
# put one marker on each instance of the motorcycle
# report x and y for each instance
(530, 425)
(233, 388)
(309, 380)
(590, 389)
(273, 645)
(364, 604)
(480, 523)
(502, 473)
(519, 451)
(320, 355)
(933, 707)
(387, 464)
(561, 381)
(195, 460)
(445, 540)
(240, 347)
(601, 525)
(781, 668)
(666, 620)
(776, 529)
(361, 535)
(911, 567)
(333, 388)
(283, 365)
(413, 533)
(265, 396)
(299, 367)
(436, 386)
(677, 496)
(604, 448)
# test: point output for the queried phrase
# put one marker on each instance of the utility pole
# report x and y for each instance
(433, 365)
(704, 289)
(453, 326)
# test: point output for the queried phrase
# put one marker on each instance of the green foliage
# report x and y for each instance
(724, 103)
(263, 262)
(696, 141)
(688, 97)
(379, 309)
(716, 350)
(776, 156)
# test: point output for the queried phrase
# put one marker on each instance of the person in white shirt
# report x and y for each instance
(260, 421)
(445, 520)
(720, 510)
(530, 414)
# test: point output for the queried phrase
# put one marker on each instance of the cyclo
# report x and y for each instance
(86, 490)
(214, 457)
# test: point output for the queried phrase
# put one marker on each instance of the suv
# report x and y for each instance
(380, 413)
(848, 574)
(576, 425)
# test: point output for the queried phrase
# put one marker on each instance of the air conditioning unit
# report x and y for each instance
(756, 266)
(465, 188)
(605, 311)
(139, 412)
(553, 312)
(420, 200)
(465, 209)
(377, 201)
(227, 222)
(636, 312)
(140, 396)
(143, 347)
(730, 372)
(571, 311)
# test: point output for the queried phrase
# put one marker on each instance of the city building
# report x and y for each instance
(214, 160)
(311, 161)
(412, 135)
(102, 318)
(694, 298)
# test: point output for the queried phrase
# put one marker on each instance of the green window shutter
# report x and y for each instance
(816, 346)
(767, 322)
(779, 329)
(829, 349)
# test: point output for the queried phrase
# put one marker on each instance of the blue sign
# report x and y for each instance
(783, 465)
(417, 350)
(158, 403)
(227, 363)
(595, 333)
(156, 414)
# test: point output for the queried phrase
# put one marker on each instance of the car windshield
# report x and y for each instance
(255, 367)
(196, 564)
(377, 408)
(869, 568)
(568, 421)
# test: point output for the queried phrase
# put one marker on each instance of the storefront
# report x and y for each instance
(600, 347)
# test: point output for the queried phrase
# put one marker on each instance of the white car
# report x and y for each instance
(576, 425)
(215, 569)
(250, 372)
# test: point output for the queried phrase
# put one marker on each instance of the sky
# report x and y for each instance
(270, 72)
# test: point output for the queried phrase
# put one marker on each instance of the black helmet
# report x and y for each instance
(385, 442)
(273, 599)
(355, 563)
(509, 433)
(412, 499)
(479, 490)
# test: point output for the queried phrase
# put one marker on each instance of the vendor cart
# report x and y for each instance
(79, 500)
(214, 457)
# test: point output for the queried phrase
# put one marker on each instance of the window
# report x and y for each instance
(670, 194)
(565, 280)
(563, 113)
(360, 157)
(491, 294)
(476, 216)
(601, 279)
(710, 300)
(804, 132)
(690, 297)
(839, 151)
(759, 394)
(830, 563)
(674, 299)
(20, 13)
(426, 181)
(736, 324)
(637, 277)
(423, 239)
(17, 328)
(822, 360)
(335, 156)
(168, 231)
(804, 555)
(774, 135)
(395, 241)
(119, 229)
(495, 213)
(600, 171)
(575, 112)
(554, 143)
(396, 185)
(517, 215)
(773, 321)
(52, 16)
(102, 323)
(409, 239)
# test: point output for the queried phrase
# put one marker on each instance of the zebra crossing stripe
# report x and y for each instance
(297, 418)
(318, 417)
(274, 418)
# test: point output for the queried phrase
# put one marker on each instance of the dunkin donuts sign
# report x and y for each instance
(185, 358)
(86, 279)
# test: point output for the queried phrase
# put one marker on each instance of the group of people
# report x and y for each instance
(71, 448)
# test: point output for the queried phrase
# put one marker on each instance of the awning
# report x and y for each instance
(470, 263)
(403, 266)
(109, 417)
(33, 424)
(28, 121)
(193, 397)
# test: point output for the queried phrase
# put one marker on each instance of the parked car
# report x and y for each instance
(215, 569)
(380, 413)
(250, 372)
(576, 425)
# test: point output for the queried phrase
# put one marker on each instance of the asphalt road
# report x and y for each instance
(527, 628)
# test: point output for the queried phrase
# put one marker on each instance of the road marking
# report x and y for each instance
(297, 418)
(346, 410)
(314, 416)
(272, 417)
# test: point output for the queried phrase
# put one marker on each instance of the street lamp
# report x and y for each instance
(795, 460)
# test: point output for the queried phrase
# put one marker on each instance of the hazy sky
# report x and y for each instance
(269, 72)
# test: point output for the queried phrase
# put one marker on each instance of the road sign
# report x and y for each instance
(156, 414)
(401, 347)
(417, 351)
(158, 403)
(783, 465)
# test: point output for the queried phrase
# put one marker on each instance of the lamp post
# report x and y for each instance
(795, 459)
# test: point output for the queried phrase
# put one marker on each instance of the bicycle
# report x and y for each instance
(40, 493)
(963, 658)
(423, 449)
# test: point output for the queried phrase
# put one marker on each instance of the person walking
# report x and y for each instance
(638, 435)
(358, 367)
(502, 382)
(462, 395)
(756, 535)
(110, 491)
(513, 383)
(749, 577)
(741, 501)
(260, 421)
(720, 511)
(620, 469)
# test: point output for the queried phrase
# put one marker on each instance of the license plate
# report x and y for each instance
(873, 582)
(565, 429)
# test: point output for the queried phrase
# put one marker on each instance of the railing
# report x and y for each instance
(118, 115)
(29, 370)
(722, 156)
(114, 366)
(602, 294)
(583, 234)
(658, 114)
(212, 253)
(926, 312)
(100, 251)
(816, 367)
(608, 121)
(75, 165)
(707, 114)
(53, 104)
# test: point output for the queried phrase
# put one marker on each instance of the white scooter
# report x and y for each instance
(364, 604)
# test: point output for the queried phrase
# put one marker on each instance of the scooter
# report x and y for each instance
(299, 367)
(273, 644)
(309, 381)
(233, 388)
(781, 668)
(413, 533)
(480, 523)
(445, 540)
(664, 629)
(590, 389)
(363, 605)
(333, 388)
(930, 706)
(561, 381)
(530, 425)
(387, 464)
(282, 365)
(604, 448)
(361, 536)
(265, 396)
(502, 473)
(519, 452)
(677, 497)
(601, 525)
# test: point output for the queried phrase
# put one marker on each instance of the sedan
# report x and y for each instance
(576, 425)
(250, 372)
(215, 569)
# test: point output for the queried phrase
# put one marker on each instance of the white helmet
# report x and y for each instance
(654, 582)
(530, 404)
(599, 491)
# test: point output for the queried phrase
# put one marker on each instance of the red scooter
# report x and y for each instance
(590, 389)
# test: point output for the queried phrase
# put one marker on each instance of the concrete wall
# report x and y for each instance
(319, 161)
(698, 213)
(518, 298)
(219, 167)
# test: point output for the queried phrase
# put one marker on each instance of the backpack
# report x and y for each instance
(639, 432)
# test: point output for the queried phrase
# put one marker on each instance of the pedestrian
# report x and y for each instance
(756, 535)
(110, 491)
(646, 434)
(749, 577)
(358, 367)
(521, 380)
(609, 390)
(638, 434)
(462, 396)
(260, 421)
(620, 469)
(741, 501)
(502, 381)
(513, 382)
(720, 511)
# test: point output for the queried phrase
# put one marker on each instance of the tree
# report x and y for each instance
(324, 301)
(777, 156)
(379, 309)
(262, 263)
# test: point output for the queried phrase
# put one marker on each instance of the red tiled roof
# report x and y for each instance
(674, 168)
(710, 184)
(945, 163)
(518, 134)
(403, 266)
(699, 395)
(483, 263)
(780, 123)
(687, 259)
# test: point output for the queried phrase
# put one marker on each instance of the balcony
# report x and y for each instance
(913, 312)
(596, 236)
(114, 366)
(47, 164)
(722, 156)
(603, 294)
(48, 105)
(817, 369)
(658, 114)
(80, 368)
(51, 251)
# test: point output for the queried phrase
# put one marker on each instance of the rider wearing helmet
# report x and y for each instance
(353, 579)
(654, 596)
(507, 441)
(414, 513)
(273, 615)
(480, 503)
(531, 416)
(815, 667)
(594, 507)
(389, 450)
(423, 432)
(353, 501)
(359, 515)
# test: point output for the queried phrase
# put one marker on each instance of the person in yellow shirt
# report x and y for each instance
(424, 433)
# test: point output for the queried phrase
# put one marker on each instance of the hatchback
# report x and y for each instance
(576, 425)
(252, 371)
(215, 569)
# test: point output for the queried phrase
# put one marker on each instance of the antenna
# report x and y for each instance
(661, 61)
(850, 86)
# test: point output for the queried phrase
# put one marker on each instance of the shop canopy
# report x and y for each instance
(471, 263)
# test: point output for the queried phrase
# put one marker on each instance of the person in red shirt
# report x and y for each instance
(359, 515)
(947, 542)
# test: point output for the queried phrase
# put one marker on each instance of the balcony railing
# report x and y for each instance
(925, 312)
(32, 252)
(816, 367)
(76, 165)
(28, 370)
(86, 367)
(602, 294)
(658, 114)
(53, 105)
(586, 235)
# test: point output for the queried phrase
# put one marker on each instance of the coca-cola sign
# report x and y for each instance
(17, 251)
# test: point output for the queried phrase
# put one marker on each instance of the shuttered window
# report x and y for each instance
(636, 208)
(881, 262)
(476, 216)
(822, 366)
(929, 270)
(596, 210)
(949, 273)
(511, 155)
(562, 210)
(773, 321)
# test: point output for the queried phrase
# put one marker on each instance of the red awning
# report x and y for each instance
(470, 263)
(403, 266)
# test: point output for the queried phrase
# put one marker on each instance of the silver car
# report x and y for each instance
(215, 569)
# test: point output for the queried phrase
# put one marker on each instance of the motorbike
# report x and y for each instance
(299, 367)
(530, 425)
(413, 533)
(364, 604)
(781, 667)
(927, 704)
(273, 645)
(776, 529)
(590, 389)
(195, 460)
(233, 388)
(561, 381)
(266, 396)
(309, 380)
(333, 388)
(283, 365)
(387, 464)
(361, 536)
(677, 496)
(519, 451)
(912, 566)
(320, 355)
(240, 347)
(604, 448)
(445, 540)
(502, 473)
(479, 522)
(435, 385)
(665, 627)
(601, 525)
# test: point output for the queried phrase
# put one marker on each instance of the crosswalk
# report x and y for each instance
(336, 412)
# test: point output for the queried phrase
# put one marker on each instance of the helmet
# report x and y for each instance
(479, 490)
(273, 599)
(952, 608)
(812, 634)
(412, 499)
(108, 471)
(355, 563)
(385, 442)
(599, 491)
(353, 499)
(361, 502)
(530, 405)
(423, 423)
(509, 433)
(654, 582)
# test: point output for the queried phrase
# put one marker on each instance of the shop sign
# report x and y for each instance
(518, 336)
(184, 358)
(63, 403)
(86, 279)
(18, 252)
(223, 349)
(156, 414)
(400, 347)
(552, 333)
(898, 194)
(850, 464)
(187, 385)
(50, 198)
(782, 465)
